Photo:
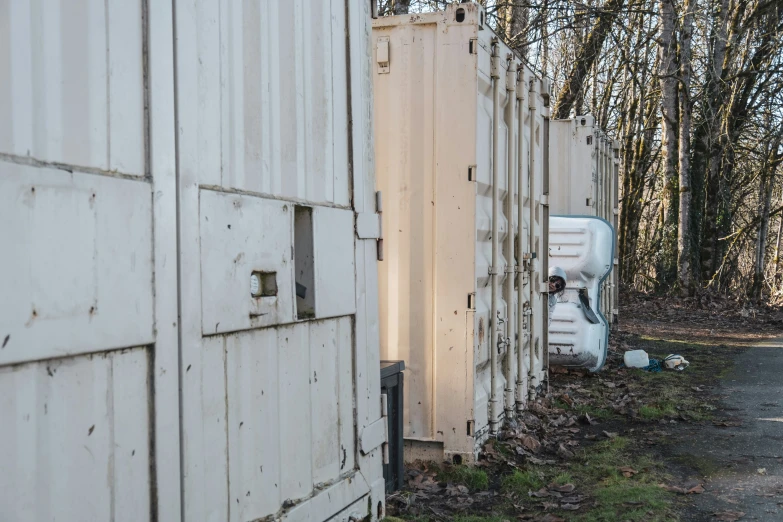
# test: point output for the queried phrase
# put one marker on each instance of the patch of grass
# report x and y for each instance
(618, 497)
(474, 478)
(520, 482)
(475, 518)
(602, 458)
(625, 500)
(658, 410)
(563, 478)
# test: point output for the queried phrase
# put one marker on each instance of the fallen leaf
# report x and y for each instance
(609, 434)
(696, 489)
(673, 489)
(564, 452)
(531, 443)
(551, 518)
(565, 488)
(762, 471)
(729, 516)
(541, 493)
(569, 507)
(627, 472)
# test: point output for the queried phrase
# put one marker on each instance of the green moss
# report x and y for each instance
(474, 478)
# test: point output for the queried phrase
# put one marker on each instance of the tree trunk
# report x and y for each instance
(401, 6)
(667, 77)
(585, 58)
(778, 275)
(709, 155)
(518, 27)
(684, 239)
(765, 199)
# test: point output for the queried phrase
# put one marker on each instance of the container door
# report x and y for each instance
(280, 369)
(88, 313)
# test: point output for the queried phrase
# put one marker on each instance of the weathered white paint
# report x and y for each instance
(124, 286)
(274, 398)
(584, 248)
(433, 127)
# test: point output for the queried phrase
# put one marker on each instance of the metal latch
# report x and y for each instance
(377, 433)
(369, 225)
(382, 54)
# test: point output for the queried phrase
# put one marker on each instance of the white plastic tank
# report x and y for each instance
(579, 330)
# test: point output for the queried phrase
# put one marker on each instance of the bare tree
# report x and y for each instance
(684, 238)
(585, 57)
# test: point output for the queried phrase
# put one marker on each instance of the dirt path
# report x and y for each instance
(743, 461)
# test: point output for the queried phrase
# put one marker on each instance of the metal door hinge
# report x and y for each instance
(544, 200)
(382, 54)
(369, 225)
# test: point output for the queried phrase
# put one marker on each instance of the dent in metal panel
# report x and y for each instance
(74, 444)
(78, 263)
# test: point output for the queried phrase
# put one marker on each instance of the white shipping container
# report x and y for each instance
(450, 119)
(189, 322)
(584, 174)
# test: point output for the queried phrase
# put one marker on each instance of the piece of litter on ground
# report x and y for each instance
(762, 471)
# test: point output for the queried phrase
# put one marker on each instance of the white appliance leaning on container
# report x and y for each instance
(578, 332)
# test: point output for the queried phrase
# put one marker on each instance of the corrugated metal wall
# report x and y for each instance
(154, 155)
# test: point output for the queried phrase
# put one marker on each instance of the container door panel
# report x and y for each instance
(88, 313)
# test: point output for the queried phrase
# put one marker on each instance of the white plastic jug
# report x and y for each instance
(636, 359)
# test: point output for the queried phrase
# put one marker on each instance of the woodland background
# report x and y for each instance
(693, 89)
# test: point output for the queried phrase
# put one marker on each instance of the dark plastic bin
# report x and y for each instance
(391, 385)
